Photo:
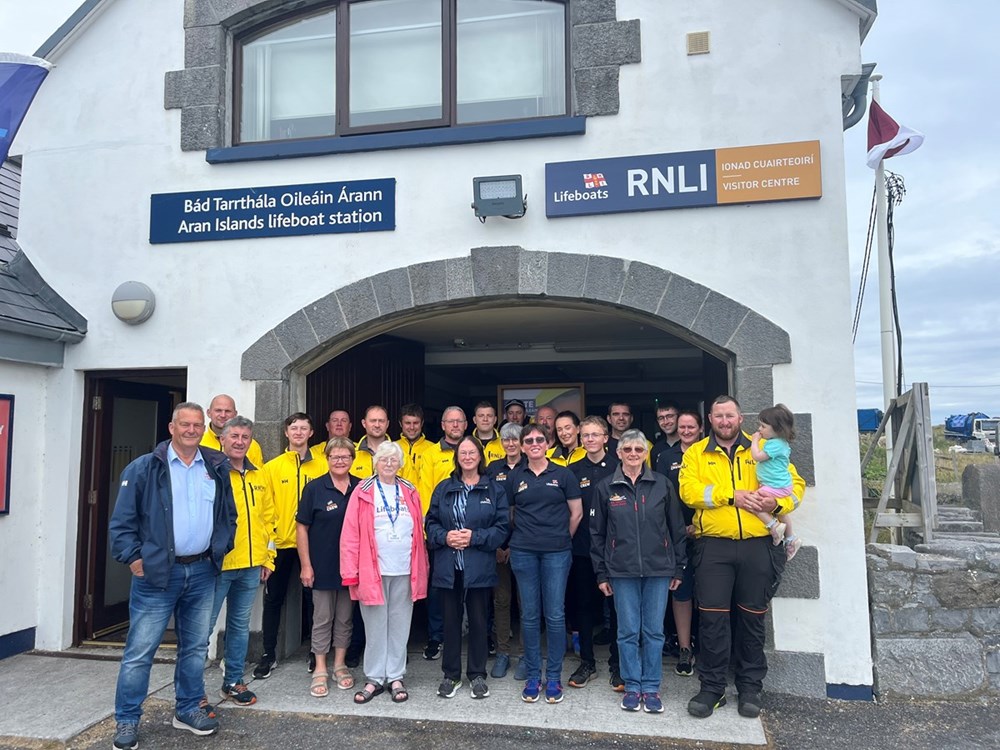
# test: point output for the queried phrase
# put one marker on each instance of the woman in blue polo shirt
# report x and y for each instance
(547, 509)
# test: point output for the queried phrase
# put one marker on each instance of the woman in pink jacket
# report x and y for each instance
(383, 562)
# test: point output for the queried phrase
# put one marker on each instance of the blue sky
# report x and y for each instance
(940, 69)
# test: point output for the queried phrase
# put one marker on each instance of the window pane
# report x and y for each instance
(395, 61)
(289, 81)
(511, 59)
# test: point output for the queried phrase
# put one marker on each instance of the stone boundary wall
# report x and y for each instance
(935, 613)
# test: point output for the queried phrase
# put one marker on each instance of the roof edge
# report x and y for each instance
(867, 10)
(76, 22)
(28, 275)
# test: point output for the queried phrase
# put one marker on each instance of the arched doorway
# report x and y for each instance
(506, 277)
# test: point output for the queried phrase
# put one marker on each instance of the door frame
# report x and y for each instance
(92, 529)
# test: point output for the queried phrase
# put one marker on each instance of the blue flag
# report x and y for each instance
(20, 77)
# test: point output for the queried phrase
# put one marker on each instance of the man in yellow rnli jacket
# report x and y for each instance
(376, 422)
(251, 560)
(338, 424)
(734, 557)
(220, 411)
(484, 417)
(286, 475)
(412, 441)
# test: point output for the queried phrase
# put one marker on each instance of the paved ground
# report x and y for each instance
(61, 702)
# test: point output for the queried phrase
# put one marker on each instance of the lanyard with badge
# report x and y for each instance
(393, 536)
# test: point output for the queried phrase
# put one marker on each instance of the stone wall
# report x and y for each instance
(935, 616)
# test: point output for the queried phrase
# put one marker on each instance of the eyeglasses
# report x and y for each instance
(339, 459)
(389, 460)
(632, 449)
(592, 435)
(534, 441)
(453, 421)
(468, 454)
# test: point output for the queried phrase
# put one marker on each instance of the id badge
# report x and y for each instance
(393, 535)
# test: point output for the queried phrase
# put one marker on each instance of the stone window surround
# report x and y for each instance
(202, 90)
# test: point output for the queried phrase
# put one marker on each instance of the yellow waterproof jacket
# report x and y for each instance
(492, 449)
(211, 440)
(412, 453)
(254, 541)
(436, 464)
(318, 450)
(287, 475)
(575, 455)
(709, 480)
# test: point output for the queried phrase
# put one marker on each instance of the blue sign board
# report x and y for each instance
(741, 174)
(630, 183)
(276, 211)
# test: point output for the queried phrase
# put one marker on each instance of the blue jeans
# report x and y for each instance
(541, 579)
(238, 588)
(188, 597)
(641, 603)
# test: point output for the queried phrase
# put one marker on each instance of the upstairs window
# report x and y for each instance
(362, 66)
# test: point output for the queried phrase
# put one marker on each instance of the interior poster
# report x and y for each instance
(6, 425)
(562, 397)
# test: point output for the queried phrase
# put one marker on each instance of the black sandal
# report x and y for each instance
(399, 694)
(364, 695)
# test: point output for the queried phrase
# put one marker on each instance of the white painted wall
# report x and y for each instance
(22, 529)
(98, 142)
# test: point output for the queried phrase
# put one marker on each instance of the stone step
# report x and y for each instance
(973, 527)
(958, 514)
(987, 537)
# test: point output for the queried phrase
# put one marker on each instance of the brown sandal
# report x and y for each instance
(399, 694)
(365, 694)
(318, 687)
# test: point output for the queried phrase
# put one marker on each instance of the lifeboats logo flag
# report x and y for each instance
(20, 78)
(595, 180)
(887, 138)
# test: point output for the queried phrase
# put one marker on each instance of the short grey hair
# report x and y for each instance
(237, 421)
(632, 436)
(511, 431)
(186, 405)
(459, 409)
(388, 449)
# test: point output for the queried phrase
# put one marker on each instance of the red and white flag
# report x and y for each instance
(886, 137)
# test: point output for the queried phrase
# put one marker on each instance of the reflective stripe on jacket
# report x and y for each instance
(709, 480)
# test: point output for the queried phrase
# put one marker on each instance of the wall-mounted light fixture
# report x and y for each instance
(498, 196)
(133, 302)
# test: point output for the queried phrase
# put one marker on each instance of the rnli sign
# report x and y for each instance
(687, 179)
(276, 211)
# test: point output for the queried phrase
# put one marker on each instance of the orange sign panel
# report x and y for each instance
(777, 172)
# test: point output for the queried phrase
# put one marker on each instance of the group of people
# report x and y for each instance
(574, 511)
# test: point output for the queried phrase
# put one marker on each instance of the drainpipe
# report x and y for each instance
(855, 103)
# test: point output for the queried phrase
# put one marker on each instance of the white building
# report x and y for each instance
(609, 110)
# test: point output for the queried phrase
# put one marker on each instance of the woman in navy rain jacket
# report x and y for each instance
(467, 521)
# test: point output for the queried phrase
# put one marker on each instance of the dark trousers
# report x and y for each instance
(286, 564)
(583, 599)
(454, 602)
(744, 573)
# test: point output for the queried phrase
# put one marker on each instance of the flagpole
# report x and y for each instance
(884, 290)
